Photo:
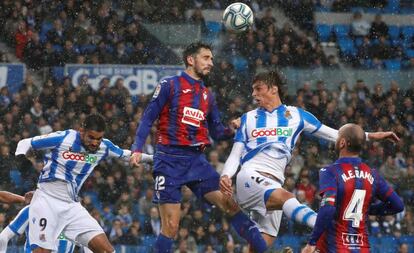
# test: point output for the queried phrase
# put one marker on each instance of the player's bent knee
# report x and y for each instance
(95, 241)
(170, 229)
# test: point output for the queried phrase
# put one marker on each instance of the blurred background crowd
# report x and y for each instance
(48, 33)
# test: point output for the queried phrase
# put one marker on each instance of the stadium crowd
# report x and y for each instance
(118, 196)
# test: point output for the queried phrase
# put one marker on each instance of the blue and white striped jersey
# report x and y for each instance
(20, 225)
(268, 137)
(68, 160)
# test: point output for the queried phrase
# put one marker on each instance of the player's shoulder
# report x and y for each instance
(329, 168)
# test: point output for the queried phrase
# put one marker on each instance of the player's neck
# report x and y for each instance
(272, 105)
(344, 153)
(192, 74)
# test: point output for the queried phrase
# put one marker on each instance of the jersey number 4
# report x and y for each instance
(353, 211)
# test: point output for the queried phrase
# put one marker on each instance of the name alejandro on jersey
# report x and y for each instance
(275, 131)
(69, 155)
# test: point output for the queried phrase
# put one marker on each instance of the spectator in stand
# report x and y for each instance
(378, 28)
(152, 225)
(381, 50)
(57, 35)
(22, 36)
(359, 26)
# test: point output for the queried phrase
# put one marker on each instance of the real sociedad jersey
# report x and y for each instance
(68, 160)
(268, 136)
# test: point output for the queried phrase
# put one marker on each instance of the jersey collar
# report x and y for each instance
(277, 108)
(349, 160)
(191, 80)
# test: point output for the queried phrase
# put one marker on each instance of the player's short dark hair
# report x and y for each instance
(272, 78)
(94, 122)
(193, 49)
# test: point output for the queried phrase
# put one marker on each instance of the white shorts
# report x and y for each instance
(251, 188)
(49, 216)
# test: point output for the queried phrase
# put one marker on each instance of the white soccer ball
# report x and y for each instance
(238, 17)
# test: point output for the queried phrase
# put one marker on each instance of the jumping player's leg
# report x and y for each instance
(245, 227)
(85, 230)
(280, 199)
(170, 219)
(46, 221)
(206, 185)
(16, 227)
(99, 243)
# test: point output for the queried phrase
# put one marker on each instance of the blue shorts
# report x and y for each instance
(175, 167)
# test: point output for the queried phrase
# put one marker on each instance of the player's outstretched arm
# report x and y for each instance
(391, 136)
(8, 197)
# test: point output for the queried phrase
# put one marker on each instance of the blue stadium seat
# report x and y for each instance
(324, 32)
(409, 53)
(240, 63)
(372, 10)
(393, 6)
(341, 30)
(407, 32)
(295, 242)
(389, 244)
(346, 45)
(394, 32)
(149, 240)
(395, 42)
(214, 28)
(394, 64)
(15, 177)
(358, 41)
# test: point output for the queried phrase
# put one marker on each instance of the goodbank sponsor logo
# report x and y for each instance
(68, 155)
(275, 131)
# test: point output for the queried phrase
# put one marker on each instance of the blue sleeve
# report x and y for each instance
(392, 205)
(151, 113)
(113, 150)
(382, 189)
(311, 123)
(241, 135)
(327, 181)
(48, 141)
(215, 127)
(325, 216)
(391, 202)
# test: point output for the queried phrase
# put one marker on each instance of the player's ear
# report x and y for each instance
(275, 89)
(190, 60)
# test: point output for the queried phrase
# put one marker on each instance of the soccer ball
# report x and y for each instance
(237, 17)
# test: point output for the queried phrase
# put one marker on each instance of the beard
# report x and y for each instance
(199, 73)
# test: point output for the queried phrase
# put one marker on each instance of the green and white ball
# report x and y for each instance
(238, 17)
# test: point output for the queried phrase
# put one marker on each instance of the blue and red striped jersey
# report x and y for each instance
(350, 186)
(187, 114)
